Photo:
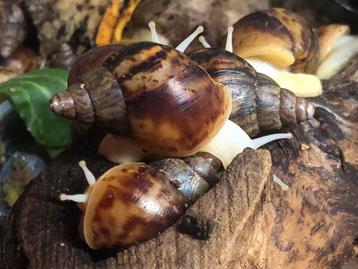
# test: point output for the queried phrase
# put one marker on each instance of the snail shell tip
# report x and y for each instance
(62, 104)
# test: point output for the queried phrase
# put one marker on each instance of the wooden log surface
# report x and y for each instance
(309, 222)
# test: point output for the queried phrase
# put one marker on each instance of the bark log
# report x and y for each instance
(309, 220)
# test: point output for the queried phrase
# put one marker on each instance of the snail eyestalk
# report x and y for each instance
(203, 41)
(153, 31)
(187, 41)
(91, 179)
(260, 141)
(228, 45)
(78, 198)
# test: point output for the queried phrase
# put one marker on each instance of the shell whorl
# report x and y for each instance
(259, 104)
(173, 107)
(133, 202)
(278, 36)
(97, 99)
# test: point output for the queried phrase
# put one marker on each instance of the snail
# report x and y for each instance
(166, 103)
(133, 202)
(259, 104)
(275, 41)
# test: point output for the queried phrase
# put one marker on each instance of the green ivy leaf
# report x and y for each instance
(30, 94)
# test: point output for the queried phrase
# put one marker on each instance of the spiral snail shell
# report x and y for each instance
(153, 93)
(280, 44)
(133, 202)
(259, 104)
(279, 36)
(165, 102)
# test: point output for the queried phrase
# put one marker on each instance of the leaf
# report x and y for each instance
(30, 94)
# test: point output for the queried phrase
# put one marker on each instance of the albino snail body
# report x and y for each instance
(133, 202)
(154, 94)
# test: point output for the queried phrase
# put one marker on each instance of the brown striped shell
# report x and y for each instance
(259, 104)
(278, 36)
(162, 99)
(91, 59)
(129, 204)
(133, 202)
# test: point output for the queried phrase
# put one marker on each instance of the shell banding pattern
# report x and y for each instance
(259, 104)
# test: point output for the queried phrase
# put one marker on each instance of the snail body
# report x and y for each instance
(133, 202)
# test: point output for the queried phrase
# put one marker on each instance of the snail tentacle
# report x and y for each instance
(232, 140)
(81, 198)
(78, 198)
(153, 31)
(263, 140)
(186, 42)
(91, 179)
(229, 46)
(203, 41)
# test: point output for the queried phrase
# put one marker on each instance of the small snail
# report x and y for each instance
(275, 41)
(259, 104)
(133, 202)
(279, 36)
(166, 103)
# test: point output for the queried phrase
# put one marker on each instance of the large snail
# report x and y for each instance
(166, 103)
(133, 202)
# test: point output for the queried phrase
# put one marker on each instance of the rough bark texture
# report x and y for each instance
(256, 223)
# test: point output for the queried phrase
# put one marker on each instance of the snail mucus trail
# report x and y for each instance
(133, 202)
(164, 102)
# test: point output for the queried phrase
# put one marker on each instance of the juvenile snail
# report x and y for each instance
(259, 104)
(133, 202)
(156, 95)
(275, 41)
